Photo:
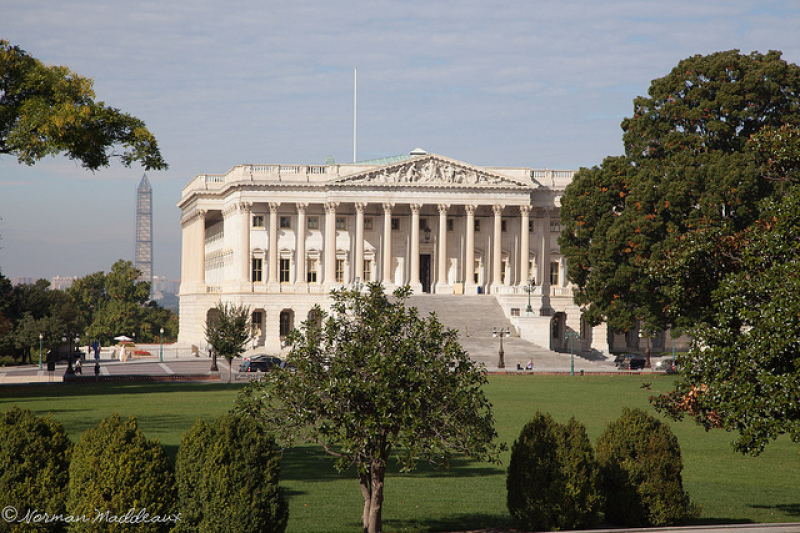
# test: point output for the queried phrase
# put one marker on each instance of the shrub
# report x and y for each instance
(34, 468)
(552, 478)
(114, 470)
(640, 466)
(227, 477)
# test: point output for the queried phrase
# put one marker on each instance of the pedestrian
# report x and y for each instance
(529, 366)
(519, 365)
(78, 366)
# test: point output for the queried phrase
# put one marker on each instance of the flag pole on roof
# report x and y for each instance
(355, 111)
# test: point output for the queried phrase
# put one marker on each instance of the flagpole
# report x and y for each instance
(355, 113)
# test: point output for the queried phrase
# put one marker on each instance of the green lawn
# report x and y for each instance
(729, 487)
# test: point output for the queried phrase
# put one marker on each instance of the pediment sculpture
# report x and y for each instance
(430, 171)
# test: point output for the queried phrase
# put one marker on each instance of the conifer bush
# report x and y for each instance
(116, 471)
(552, 478)
(34, 469)
(640, 466)
(228, 475)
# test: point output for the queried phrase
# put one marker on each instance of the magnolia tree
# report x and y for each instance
(374, 378)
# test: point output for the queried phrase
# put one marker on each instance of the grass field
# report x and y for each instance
(731, 488)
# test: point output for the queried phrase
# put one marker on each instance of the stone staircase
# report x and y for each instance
(475, 318)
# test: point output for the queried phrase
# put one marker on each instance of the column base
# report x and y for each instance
(443, 288)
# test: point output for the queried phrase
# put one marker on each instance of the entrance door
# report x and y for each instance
(425, 272)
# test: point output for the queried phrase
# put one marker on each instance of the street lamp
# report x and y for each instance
(504, 332)
(529, 288)
(161, 346)
(571, 336)
(41, 338)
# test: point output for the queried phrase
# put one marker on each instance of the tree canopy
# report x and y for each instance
(228, 330)
(49, 110)
(373, 378)
(686, 166)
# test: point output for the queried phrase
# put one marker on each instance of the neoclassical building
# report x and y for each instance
(278, 238)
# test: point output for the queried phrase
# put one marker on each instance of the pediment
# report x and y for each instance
(431, 170)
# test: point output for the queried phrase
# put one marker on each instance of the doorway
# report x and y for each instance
(425, 272)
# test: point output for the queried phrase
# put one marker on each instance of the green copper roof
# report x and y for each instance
(384, 160)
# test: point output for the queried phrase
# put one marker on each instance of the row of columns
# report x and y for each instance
(543, 247)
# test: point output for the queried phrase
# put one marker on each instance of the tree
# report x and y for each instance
(743, 369)
(114, 469)
(228, 474)
(48, 110)
(552, 478)
(34, 467)
(373, 378)
(227, 331)
(686, 168)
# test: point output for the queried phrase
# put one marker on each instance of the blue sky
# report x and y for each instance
(500, 83)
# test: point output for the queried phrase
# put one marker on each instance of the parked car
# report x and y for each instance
(636, 363)
(667, 364)
(622, 361)
(260, 363)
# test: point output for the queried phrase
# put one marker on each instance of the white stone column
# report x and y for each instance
(300, 246)
(273, 244)
(442, 286)
(524, 246)
(469, 252)
(414, 282)
(245, 265)
(388, 279)
(497, 246)
(330, 245)
(359, 259)
(543, 256)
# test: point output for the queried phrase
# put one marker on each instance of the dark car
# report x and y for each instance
(260, 363)
(636, 363)
(622, 361)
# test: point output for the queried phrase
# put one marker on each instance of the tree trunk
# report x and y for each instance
(372, 483)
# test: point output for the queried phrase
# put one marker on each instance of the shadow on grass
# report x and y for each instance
(790, 509)
(66, 390)
(459, 522)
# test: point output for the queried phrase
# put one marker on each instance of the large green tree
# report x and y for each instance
(374, 378)
(227, 331)
(686, 168)
(49, 110)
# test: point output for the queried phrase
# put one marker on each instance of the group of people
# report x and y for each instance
(529, 366)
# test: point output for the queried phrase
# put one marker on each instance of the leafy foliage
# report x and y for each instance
(228, 330)
(114, 468)
(687, 167)
(50, 110)
(743, 369)
(552, 478)
(227, 475)
(34, 467)
(374, 377)
(640, 466)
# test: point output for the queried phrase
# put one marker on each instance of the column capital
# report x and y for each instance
(387, 207)
(443, 208)
(470, 209)
(360, 206)
(525, 209)
(415, 208)
(497, 209)
(330, 207)
(273, 206)
(301, 207)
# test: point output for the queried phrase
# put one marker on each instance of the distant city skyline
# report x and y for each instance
(535, 84)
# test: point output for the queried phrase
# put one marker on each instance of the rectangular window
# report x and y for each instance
(555, 226)
(503, 270)
(340, 271)
(313, 222)
(257, 270)
(530, 225)
(503, 226)
(395, 224)
(286, 270)
(311, 271)
(423, 224)
(367, 270)
(368, 224)
(341, 223)
(450, 224)
(258, 221)
(286, 222)
(554, 274)
(477, 225)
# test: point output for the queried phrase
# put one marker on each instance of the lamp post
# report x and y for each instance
(529, 288)
(504, 332)
(41, 338)
(161, 346)
(571, 336)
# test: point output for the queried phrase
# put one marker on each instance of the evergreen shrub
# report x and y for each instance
(228, 475)
(552, 478)
(640, 467)
(34, 469)
(115, 471)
